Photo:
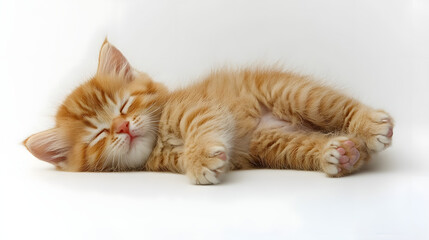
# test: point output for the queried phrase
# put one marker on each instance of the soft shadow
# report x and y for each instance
(389, 161)
(127, 183)
(154, 183)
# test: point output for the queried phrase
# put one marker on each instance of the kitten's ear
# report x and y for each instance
(50, 146)
(112, 62)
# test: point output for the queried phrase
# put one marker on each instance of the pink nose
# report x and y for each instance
(121, 125)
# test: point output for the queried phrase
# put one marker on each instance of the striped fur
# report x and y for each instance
(232, 119)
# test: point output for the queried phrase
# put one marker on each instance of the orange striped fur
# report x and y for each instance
(233, 119)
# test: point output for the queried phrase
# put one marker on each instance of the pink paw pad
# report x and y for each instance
(389, 133)
(220, 155)
(349, 155)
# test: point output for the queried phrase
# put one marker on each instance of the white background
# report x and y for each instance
(377, 51)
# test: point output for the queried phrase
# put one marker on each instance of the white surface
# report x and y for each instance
(376, 50)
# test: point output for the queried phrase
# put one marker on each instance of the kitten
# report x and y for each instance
(122, 120)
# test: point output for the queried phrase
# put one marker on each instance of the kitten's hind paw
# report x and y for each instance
(379, 131)
(204, 170)
(341, 156)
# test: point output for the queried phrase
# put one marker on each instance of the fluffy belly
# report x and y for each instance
(269, 121)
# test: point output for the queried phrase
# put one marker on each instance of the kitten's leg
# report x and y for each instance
(208, 133)
(335, 155)
(305, 102)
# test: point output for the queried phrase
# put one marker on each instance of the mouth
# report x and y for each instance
(130, 142)
(131, 137)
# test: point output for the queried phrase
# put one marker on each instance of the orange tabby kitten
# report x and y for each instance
(253, 118)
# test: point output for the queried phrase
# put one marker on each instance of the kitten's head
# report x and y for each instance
(108, 123)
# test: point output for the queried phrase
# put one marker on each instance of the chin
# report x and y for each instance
(136, 154)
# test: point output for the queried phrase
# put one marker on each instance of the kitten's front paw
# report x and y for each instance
(208, 169)
(340, 157)
(378, 131)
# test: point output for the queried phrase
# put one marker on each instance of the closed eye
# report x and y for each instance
(99, 134)
(123, 107)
